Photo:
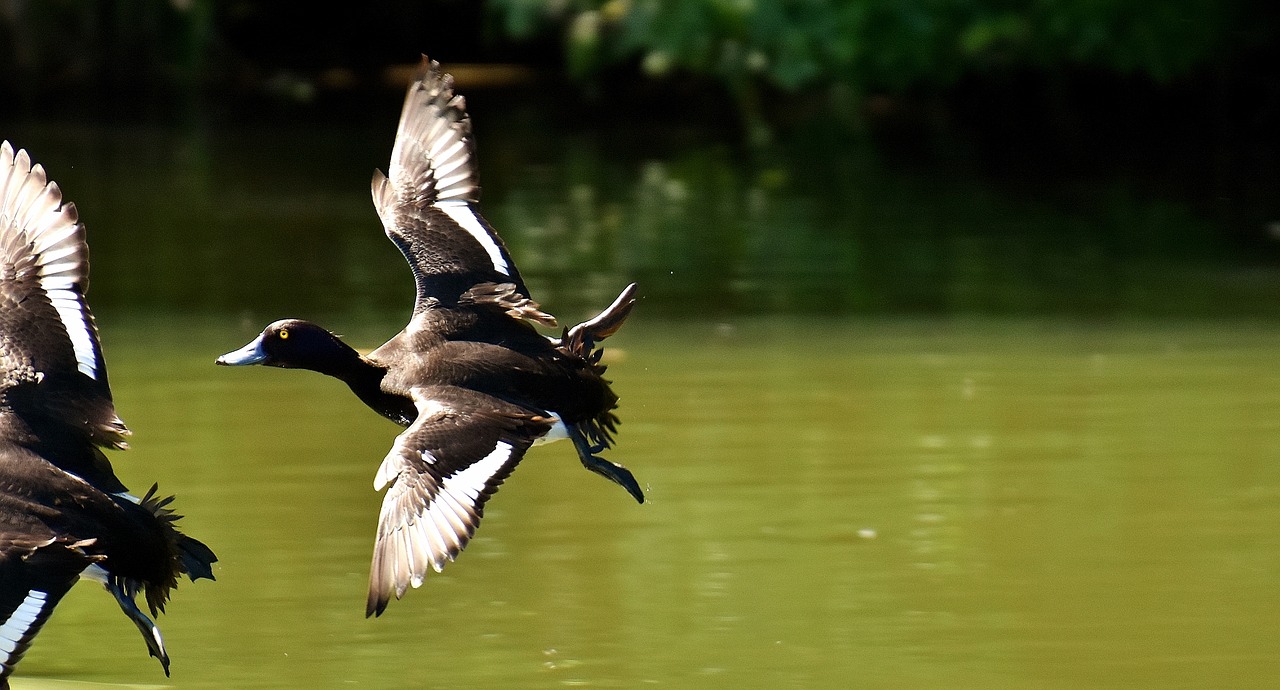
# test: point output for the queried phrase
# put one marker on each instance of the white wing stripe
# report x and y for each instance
(463, 215)
(71, 311)
(19, 623)
(443, 527)
(473, 480)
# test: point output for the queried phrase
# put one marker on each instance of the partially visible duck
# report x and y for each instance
(470, 377)
(63, 512)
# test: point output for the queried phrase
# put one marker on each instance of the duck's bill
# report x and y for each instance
(249, 354)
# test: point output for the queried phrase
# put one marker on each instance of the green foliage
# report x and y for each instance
(884, 44)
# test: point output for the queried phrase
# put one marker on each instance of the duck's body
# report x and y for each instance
(63, 512)
(472, 380)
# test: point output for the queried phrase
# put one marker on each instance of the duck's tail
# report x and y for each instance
(192, 557)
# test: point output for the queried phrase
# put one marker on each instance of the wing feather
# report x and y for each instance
(428, 199)
(50, 353)
(439, 474)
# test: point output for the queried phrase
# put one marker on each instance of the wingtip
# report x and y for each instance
(433, 157)
(380, 583)
(377, 602)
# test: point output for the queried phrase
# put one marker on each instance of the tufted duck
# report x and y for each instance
(63, 513)
(470, 377)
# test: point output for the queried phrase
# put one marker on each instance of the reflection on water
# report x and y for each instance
(1027, 503)
(1077, 499)
(255, 219)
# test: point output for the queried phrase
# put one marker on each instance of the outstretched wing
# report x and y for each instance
(441, 470)
(48, 341)
(427, 203)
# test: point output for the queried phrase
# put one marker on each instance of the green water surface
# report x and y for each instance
(832, 503)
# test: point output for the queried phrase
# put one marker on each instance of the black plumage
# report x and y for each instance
(471, 378)
(63, 512)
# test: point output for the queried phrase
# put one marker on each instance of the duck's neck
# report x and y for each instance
(342, 362)
(327, 355)
(364, 377)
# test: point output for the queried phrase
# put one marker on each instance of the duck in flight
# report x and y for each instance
(63, 512)
(472, 380)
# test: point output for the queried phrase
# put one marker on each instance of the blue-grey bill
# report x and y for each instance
(249, 354)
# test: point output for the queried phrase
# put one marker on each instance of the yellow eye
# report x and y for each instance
(284, 334)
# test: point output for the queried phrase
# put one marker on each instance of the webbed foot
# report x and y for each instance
(612, 471)
(150, 633)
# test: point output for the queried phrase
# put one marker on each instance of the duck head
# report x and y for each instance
(293, 344)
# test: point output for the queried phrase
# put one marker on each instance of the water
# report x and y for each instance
(887, 441)
(996, 503)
